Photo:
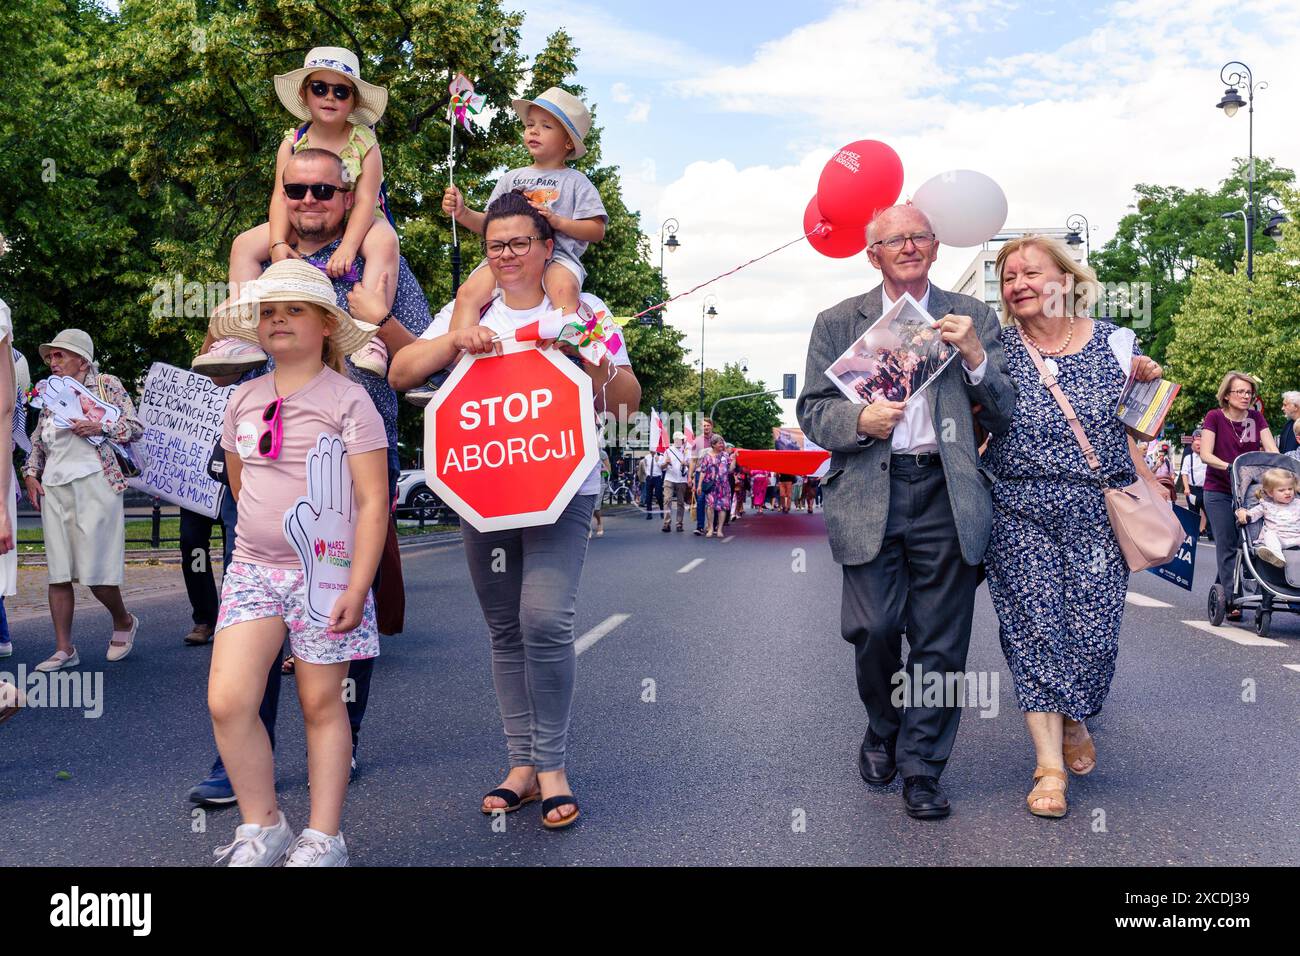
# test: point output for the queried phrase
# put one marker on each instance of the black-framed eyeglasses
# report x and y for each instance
(922, 240)
(321, 192)
(319, 88)
(518, 246)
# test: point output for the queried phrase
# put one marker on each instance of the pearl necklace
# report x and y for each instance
(1060, 348)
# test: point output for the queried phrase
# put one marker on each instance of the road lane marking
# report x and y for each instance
(599, 631)
(1292, 667)
(1235, 634)
(1141, 600)
(690, 566)
(728, 539)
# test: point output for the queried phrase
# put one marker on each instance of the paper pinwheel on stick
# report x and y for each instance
(464, 102)
(594, 334)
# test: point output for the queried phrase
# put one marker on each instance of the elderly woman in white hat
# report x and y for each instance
(76, 485)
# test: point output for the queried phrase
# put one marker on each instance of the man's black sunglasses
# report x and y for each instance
(323, 192)
(319, 88)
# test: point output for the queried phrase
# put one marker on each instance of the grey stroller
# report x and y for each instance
(1256, 584)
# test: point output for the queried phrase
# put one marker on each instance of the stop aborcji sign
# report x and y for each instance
(508, 439)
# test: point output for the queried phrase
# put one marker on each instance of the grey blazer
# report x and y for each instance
(856, 488)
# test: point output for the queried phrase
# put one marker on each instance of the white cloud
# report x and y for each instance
(1078, 122)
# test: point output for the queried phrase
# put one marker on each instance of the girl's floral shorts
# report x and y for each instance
(250, 592)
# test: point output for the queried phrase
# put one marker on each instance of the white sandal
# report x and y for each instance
(120, 644)
(59, 660)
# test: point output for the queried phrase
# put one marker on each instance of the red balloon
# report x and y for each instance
(833, 241)
(859, 181)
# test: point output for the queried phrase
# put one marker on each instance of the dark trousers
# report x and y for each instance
(654, 488)
(196, 557)
(1223, 522)
(920, 585)
(1197, 507)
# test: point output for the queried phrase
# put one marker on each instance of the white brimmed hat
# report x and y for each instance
(70, 340)
(568, 109)
(289, 280)
(371, 100)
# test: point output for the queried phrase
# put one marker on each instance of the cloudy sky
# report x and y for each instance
(722, 114)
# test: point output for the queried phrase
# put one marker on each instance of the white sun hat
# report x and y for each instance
(568, 109)
(371, 100)
(289, 280)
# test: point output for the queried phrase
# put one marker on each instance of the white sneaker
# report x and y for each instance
(1265, 553)
(318, 849)
(372, 357)
(229, 357)
(6, 648)
(59, 660)
(257, 845)
(421, 397)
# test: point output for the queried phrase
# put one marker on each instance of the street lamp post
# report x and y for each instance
(706, 310)
(1075, 224)
(668, 239)
(1230, 103)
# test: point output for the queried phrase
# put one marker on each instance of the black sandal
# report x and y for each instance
(512, 799)
(550, 803)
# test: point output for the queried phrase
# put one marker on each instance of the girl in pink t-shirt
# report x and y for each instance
(272, 425)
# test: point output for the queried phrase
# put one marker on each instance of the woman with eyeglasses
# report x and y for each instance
(527, 579)
(1232, 429)
(272, 430)
(75, 481)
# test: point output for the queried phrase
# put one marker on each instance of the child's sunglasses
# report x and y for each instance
(319, 88)
(322, 192)
(268, 446)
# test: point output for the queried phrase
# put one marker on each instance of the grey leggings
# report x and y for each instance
(527, 584)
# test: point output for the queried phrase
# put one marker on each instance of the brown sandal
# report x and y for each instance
(1084, 751)
(1040, 792)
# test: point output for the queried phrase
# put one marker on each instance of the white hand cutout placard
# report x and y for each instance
(319, 527)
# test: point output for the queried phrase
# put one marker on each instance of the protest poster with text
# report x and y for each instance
(510, 438)
(182, 413)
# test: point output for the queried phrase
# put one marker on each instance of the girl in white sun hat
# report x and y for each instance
(338, 109)
(273, 427)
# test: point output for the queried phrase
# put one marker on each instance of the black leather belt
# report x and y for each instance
(924, 459)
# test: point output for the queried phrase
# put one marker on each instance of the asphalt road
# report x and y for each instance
(743, 754)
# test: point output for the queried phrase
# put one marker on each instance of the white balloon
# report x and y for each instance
(965, 208)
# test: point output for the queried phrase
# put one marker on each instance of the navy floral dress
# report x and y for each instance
(1056, 574)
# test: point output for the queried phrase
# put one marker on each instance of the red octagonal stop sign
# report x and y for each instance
(509, 439)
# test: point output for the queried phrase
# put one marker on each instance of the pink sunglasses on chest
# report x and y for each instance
(273, 435)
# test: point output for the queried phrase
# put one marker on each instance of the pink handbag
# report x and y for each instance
(1148, 531)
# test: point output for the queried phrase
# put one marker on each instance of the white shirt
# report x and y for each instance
(677, 464)
(652, 467)
(1193, 469)
(915, 433)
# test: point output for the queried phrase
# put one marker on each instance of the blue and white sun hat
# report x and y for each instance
(568, 109)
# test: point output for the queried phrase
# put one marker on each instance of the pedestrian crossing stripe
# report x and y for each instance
(1141, 600)
(1235, 634)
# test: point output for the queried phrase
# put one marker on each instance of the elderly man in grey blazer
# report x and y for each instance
(908, 507)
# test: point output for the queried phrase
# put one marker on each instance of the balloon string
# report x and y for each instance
(816, 230)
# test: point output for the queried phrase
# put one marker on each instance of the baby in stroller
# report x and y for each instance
(1281, 513)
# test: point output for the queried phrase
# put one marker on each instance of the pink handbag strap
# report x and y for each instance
(1049, 380)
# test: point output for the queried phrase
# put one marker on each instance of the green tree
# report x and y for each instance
(747, 422)
(1171, 231)
(1227, 323)
(77, 231)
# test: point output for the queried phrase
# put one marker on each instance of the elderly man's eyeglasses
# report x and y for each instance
(319, 88)
(321, 192)
(922, 240)
(519, 246)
